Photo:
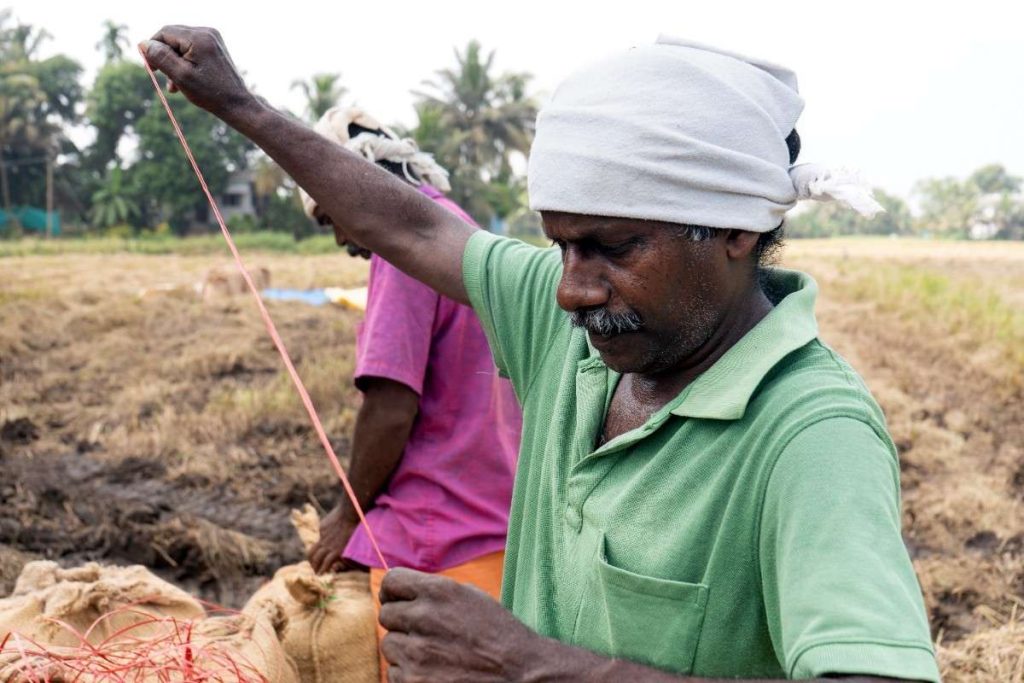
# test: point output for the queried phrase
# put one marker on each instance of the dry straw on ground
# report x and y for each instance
(160, 430)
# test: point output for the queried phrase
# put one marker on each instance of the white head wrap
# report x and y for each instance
(334, 124)
(682, 133)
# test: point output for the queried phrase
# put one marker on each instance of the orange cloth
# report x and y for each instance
(483, 572)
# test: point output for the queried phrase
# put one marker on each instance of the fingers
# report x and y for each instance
(164, 58)
(396, 617)
(196, 62)
(173, 49)
(314, 556)
(322, 560)
(179, 38)
(405, 584)
(393, 645)
(410, 600)
(320, 557)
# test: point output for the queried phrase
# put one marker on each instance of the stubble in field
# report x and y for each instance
(162, 430)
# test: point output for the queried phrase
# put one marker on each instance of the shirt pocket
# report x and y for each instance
(648, 620)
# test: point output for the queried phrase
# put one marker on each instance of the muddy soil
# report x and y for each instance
(158, 429)
(210, 540)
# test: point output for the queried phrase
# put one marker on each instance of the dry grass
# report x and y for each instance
(993, 654)
(104, 378)
(937, 330)
(179, 414)
(980, 315)
(997, 264)
(211, 244)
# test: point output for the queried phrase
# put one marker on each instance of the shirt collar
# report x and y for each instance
(723, 391)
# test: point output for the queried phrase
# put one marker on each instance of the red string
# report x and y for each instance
(299, 386)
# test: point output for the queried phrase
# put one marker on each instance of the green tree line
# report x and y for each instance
(132, 176)
(986, 205)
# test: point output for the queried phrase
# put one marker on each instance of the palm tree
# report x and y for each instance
(20, 96)
(322, 92)
(36, 98)
(114, 40)
(474, 122)
(113, 204)
(20, 42)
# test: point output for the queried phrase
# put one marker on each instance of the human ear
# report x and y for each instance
(739, 244)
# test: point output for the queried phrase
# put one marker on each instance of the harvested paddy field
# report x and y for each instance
(160, 429)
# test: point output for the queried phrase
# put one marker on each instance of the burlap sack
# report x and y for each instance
(18, 667)
(329, 628)
(248, 641)
(64, 606)
(237, 648)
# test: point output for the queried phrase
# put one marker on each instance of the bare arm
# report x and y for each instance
(381, 432)
(375, 209)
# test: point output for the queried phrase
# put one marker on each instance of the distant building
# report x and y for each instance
(237, 199)
(991, 213)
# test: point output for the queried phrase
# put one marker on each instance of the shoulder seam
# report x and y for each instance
(537, 369)
(536, 373)
(840, 363)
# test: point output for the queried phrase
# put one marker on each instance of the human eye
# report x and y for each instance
(619, 249)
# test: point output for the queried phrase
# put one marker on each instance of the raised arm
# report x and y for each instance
(372, 207)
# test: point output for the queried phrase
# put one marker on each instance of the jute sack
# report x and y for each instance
(239, 648)
(329, 628)
(247, 641)
(64, 606)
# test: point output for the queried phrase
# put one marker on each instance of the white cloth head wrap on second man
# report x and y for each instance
(682, 133)
(334, 125)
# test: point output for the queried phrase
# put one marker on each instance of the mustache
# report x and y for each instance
(603, 322)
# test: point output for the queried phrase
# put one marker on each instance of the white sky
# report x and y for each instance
(901, 89)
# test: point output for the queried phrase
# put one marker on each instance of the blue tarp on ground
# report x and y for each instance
(32, 219)
(314, 297)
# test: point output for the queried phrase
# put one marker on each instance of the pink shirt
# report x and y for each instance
(448, 500)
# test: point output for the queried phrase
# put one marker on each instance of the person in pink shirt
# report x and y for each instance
(435, 442)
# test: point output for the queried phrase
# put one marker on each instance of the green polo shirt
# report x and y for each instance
(750, 528)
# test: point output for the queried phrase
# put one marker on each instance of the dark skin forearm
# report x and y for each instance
(374, 210)
(371, 207)
(381, 432)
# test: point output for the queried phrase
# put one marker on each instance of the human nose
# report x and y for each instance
(582, 285)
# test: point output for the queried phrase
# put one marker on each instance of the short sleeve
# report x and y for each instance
(511, 286)
(395, 338)
(840, 592)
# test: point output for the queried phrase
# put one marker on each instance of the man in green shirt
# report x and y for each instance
(705, 489)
